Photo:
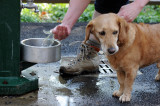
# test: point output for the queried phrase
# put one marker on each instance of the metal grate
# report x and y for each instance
(106, 70)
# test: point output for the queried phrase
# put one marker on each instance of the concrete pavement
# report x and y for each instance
(83, 90)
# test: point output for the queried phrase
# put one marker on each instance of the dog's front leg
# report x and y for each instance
(157, 78)
(128, 82)
(121, 78)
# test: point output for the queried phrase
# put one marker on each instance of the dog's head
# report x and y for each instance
(111, 31)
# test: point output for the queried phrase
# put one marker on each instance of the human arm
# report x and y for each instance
(76, 8)
(131, 11)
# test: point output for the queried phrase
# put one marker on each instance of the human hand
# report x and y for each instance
(130, 11)
(61, 31)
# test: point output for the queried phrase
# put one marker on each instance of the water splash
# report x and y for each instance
(49, 40)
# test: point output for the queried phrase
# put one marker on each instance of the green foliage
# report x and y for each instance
(87, 14)
(29, 16)
(149, 14)
(56, 12)
(53, 13)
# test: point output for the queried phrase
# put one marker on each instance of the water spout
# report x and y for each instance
(30, 5)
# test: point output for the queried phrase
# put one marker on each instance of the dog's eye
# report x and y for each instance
(115, 32)
(102, 33)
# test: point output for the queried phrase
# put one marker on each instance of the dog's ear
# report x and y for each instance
(123, 29)
(126, 32)
(89, 29)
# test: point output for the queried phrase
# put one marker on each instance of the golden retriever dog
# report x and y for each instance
(127, 46)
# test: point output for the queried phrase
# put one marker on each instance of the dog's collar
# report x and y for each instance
(95, 48)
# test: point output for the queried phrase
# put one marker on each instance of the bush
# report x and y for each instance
(29, 16)
(149, 14)
(48, 13)
(56, 12)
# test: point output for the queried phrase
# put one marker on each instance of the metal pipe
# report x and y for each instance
(30, 5)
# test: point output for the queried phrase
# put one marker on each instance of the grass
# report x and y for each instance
(55, 12)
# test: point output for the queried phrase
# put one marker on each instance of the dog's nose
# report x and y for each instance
(111, 50)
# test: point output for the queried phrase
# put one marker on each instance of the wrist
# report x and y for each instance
(140, 3)
(67, 23)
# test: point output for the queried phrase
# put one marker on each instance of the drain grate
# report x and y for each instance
(106, 70)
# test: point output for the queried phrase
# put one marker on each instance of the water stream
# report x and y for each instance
(49, 40)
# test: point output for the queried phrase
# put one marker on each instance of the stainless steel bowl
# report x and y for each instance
(33, 51)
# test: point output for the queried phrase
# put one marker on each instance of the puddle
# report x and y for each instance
(54, 81)
(65, 100)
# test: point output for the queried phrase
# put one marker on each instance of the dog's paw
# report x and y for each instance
(125, 98)
(157, 78)
(117, 93)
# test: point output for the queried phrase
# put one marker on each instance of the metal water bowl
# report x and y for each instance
(34, 52)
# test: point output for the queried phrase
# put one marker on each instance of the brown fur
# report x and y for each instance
(138, 46)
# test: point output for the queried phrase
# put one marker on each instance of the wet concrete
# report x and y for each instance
(83, 90)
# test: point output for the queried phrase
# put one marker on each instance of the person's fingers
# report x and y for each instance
(55, 32)
(59, 35)
(128, 18)
(66, 32)
(56, 36)
(59, 29)
(61, 32)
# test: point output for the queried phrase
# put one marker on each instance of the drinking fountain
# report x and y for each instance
(14, 80)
